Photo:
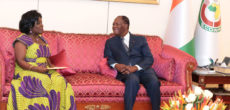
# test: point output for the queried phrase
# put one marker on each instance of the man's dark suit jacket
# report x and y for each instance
(139, 52)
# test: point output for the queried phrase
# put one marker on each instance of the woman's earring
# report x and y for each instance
(30, 32)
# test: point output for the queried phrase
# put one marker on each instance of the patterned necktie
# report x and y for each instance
(126, 47)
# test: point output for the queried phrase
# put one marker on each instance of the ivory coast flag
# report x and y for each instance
(206, 34)
(179, 31)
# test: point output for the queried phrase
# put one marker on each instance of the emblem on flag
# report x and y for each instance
(209, 17)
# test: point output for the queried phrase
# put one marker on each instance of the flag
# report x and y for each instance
(207, 30)
(179, 31)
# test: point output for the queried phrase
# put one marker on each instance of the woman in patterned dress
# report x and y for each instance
(35, 87)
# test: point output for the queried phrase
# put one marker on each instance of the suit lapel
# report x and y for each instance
(131, 42)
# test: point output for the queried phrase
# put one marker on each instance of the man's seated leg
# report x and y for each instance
(152, 85)
(131, 88)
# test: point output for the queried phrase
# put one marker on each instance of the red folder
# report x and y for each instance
(59, 60)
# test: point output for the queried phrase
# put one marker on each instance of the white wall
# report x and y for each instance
(11, 11)
(76, 16)
(92, 16)
(88, 16)
(224, 40)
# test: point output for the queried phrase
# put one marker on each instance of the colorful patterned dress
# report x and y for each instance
(39, 91)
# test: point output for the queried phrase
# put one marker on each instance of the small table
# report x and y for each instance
(203, 78)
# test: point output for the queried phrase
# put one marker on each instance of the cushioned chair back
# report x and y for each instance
(84, 51)
(155, 44)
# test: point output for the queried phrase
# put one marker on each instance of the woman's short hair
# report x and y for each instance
(28, 20)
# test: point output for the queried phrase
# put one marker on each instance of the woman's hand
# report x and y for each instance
(43, 70)
(49, 63)
(39, 69)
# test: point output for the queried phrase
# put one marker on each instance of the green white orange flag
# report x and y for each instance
(207, 30)
(179, 32)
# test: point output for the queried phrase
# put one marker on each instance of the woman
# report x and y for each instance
(35, 87)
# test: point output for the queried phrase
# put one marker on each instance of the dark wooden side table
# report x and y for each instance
(203, 78)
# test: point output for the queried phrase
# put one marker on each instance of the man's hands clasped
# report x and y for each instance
(125, 69)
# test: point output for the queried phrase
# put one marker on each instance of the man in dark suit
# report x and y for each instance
(131, 57)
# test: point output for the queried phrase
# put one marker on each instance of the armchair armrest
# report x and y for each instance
(185, 65)
(2, 75)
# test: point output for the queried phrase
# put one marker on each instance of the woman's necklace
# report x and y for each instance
(36, 39)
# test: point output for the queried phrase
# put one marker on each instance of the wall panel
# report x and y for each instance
(75, 16)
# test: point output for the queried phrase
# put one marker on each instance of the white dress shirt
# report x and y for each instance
(126, 39)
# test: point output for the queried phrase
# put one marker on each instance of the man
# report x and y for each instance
(131, 57)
